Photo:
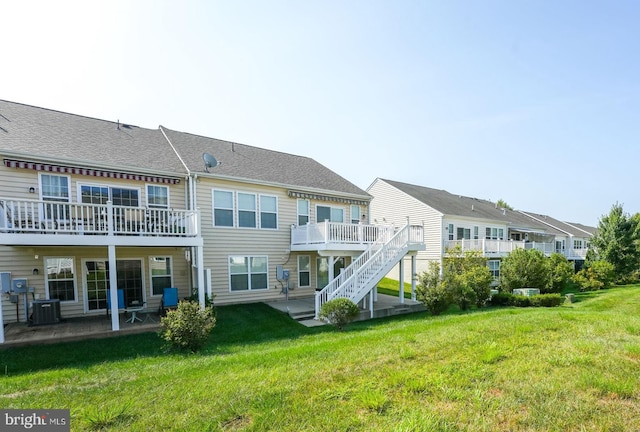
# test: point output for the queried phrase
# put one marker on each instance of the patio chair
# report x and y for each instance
(169, 300)
(120, 301)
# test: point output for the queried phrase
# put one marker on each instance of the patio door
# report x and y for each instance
(322, 270)
(128, 274)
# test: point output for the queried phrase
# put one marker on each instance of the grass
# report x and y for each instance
(571, 368)
(390, 287)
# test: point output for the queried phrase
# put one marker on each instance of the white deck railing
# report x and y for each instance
(361, 276)
(51, 217)
(335, 233)
(504, 247)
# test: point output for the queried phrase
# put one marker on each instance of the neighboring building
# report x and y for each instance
(451, 220)
(80, 197)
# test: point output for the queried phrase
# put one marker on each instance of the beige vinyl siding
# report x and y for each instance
(395, 206)
(15, 184)
(21, 261)
(222, 242)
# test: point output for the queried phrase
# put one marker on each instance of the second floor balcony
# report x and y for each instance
(501, 248)
(335, 236)
(49, 222)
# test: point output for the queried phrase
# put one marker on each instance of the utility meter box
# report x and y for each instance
(19, 285)
(5, 282)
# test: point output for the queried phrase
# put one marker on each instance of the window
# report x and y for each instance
(303, 212)
(355, 214)
(128, 277)
(450, 232)
(100, 194)
(55, 189)
(463, 234)
(332, 214)
(247, 273)
(577, 244)
(494, 233)
(60, 279)
(157, 196)
(222, 208)
(494, 268)
(475, 233)
(161, 274)
(304, 271)
(268, 212)
(322, 270)
(246, 210)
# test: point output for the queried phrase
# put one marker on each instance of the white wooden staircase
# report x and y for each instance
(365, 272)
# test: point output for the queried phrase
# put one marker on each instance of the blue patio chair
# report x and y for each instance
(120, 301)
(169, 300)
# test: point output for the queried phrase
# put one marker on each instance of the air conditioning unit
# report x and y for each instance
(45, 312)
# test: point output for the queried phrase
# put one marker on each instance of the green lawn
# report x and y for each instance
(571, 368)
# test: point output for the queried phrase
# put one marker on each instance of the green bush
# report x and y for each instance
(598, 275)
(339, 312)
(187, 327)
(501, 299)
(431, 292)
(561, 271)
(524, 268)
(546, 300)
(520, 301)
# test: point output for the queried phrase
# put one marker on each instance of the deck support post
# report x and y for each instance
(1, 322)
(401, 287)
(413, 277)
(113, 291)
(200, 273)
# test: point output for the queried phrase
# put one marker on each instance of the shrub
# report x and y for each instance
(599, 274)
(520, 301)
(339, 312)
(187, 327)
(561, 272)
(546, 300)
(501, 299)
(524, 268)
(431, 292)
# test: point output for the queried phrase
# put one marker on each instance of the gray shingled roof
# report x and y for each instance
(257, 164)
(564, 226)
(46, 133)
(591, 230)
(458, 205)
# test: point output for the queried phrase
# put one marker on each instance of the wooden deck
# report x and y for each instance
(20, 334)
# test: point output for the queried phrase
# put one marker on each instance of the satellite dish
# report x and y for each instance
(210, 161)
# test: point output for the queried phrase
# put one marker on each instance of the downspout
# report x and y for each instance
(194, 252)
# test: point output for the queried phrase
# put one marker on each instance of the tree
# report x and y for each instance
(503, 204)
(524, 268)
(615, 241)
(561, 271)
(466, 277)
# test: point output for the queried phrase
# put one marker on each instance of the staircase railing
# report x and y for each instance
(359, 278)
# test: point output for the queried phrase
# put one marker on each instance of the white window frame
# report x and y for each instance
(451, 229)
(249, 273)
(300, 271)
(152, 276)
(495, 272)
(48, 211)
(299, 214)
(261, 211)
(494, 233)
(74, 278)
(254, 210)
(232, 208)
(331, 209)
(355, 210)
(148, 195)
(578, 244)
(110, 188)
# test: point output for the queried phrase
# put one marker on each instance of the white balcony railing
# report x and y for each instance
(51, 217)
(504, 247)
(335, 233)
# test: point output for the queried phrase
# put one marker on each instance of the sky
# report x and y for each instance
(536, 103)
